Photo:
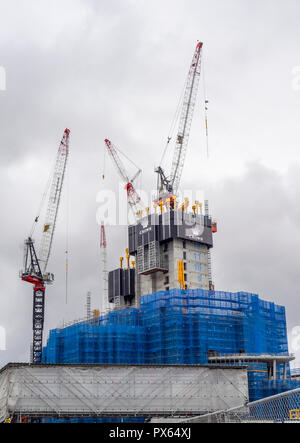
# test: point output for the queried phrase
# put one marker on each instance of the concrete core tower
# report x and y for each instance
(171, 250)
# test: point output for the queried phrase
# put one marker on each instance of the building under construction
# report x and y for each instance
(167, 318)
(190, 327)
(171, 249)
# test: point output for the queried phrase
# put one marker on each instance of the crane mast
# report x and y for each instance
(104, 295)
(133, 198)
(35, 267)
(171, 184)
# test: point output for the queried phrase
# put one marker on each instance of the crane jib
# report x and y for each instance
(54, 200)
(133, 198)
(186, 118)
(57, 190)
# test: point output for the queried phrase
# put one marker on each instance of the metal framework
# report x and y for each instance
(133, 198)
(54, 200)
(34, 271)
(32, 274)
(88, 305)
(189, 99)
(104, 295)
(118, 390)
(186, 117)
(149, 259)
(210, 281)
(283, 407)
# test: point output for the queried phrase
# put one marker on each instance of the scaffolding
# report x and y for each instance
(181, 327)
(100, 392)
(149, 259)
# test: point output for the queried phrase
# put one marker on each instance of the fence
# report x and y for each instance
(283, 407)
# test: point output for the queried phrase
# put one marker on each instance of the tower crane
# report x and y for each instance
(104, 296)
(133, 198)
(171, 184)
(35, 267)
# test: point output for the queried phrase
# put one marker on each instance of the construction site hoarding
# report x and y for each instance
(122, 390)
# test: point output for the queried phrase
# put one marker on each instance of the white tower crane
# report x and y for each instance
(35, 268)
(54, 200)
(171, 184)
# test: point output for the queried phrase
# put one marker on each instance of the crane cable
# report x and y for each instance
(205, 107)
(104, 158)
(40, 207)
(67, 235)
(118, 150)
(122, 153)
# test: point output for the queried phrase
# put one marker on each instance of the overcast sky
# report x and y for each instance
(116, 69)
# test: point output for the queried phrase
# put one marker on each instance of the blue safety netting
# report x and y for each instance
(178, 327)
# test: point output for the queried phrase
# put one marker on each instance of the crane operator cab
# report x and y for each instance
(48, 278)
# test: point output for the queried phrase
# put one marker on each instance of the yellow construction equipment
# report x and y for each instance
(161, 206)
(180, 272)
(127, 257)
(96, 313)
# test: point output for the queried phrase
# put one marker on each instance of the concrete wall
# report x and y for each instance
(195, 257)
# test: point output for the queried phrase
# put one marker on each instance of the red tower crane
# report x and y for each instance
(35, 268)
(133, 198)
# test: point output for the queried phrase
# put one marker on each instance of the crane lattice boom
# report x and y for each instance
(132, 196)
(54, 199)
(34, 271)
(186, 117)
(104, 295)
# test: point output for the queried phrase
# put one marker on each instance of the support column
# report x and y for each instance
(269, 371)
(274, 370)
(284, 371)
